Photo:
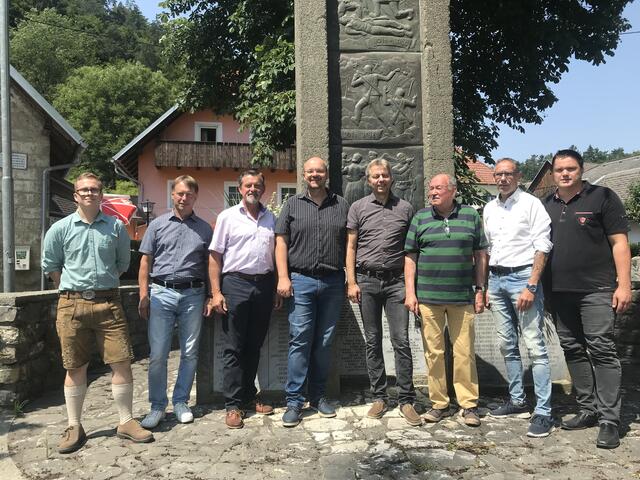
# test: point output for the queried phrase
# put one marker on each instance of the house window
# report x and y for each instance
(208, 132)
(169, 197)
(231, 194)
(285, 190)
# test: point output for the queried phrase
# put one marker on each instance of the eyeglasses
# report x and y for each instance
(183, 194)
(447, 230)
(88, 191)
(504, 174)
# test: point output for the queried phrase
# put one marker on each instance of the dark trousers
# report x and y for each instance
(376, 294)
(584, 322)
(244, 327)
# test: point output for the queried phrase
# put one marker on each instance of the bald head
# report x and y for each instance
(315, 163)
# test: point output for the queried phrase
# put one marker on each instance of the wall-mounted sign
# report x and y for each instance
(19, 160)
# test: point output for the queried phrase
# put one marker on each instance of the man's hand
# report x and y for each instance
(621, 299)
(143, 307)
(411, 304)
(278, 301)
(219, 303)
(207, 311)
(284, 287)
(525, 300)
(353, 292)
(479, 302)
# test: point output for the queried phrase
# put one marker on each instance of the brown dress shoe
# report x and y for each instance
(378, 409)
(410, 415)
(234, 419)
(263, 408)
(132, 430)
(73, 439)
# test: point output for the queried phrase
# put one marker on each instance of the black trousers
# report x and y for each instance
(244, 328)
(584, 322)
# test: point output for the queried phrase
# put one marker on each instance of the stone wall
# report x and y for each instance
(628, 324)
(29, 136)
(30, 362)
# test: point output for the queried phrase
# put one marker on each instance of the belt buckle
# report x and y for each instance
(88, 295)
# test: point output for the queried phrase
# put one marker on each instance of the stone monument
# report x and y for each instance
(373, 80)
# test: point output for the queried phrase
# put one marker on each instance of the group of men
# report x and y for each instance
(443, 263)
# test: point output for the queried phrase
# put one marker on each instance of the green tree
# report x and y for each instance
(47, 54)
(532, 165)
(632, 204)
(505, 56)
(109, 105)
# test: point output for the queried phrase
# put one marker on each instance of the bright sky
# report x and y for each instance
(596, 106)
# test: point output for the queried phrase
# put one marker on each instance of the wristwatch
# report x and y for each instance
(532, 288)
(479, 289)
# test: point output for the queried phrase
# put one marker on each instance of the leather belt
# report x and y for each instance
(498, 270)
(381, 274)
(90, 294)
(179, 285)
(317, 273)
(251, 277)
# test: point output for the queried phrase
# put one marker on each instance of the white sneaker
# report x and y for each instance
(183, 413)
(152, 419)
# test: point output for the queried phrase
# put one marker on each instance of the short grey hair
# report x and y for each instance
(378, 162)
(451, 180)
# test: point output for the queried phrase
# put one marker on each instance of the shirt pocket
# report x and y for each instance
(589, 223)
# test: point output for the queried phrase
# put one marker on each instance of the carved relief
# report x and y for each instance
(390, 25)
(380, 99)
(406, 167)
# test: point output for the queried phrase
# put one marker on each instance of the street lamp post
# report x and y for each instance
(147, 209)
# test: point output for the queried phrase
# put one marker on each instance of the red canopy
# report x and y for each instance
(119, 207)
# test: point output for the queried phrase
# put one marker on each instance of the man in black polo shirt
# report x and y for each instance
(589, 275)
(377, 227)
(311, 235)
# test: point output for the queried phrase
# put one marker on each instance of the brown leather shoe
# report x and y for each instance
(378, 409)
(263, 408)
(410, 415)
(234, 419)
(132, 430)
(73, 439)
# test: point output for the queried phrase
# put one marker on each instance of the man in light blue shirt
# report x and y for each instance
(84, 254)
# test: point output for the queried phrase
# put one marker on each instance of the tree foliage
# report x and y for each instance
(632, 204)
(505, 56)
(46, 55)
(109, 105)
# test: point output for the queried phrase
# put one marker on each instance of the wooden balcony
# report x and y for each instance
(215, 155)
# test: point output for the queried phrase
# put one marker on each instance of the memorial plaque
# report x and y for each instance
(406, 167)
(379, 99)
(389, 25)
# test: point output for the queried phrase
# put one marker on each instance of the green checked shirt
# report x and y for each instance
(90, 256)
(445, 254)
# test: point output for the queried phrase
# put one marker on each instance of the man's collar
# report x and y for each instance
(585, 186)
(454, 211)
(244, 210)
(305, 194)
(372, 198)
(514, 197)
(100, 217)
(192, 216)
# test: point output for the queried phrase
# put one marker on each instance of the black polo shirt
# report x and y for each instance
(317, 233)
(581, 259)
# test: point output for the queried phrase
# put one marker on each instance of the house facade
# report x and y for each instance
(43, 146)
(209, 147)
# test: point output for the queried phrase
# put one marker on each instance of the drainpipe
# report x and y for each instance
(44, 206)
(8, 227)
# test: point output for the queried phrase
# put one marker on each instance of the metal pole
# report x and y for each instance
(8, 233)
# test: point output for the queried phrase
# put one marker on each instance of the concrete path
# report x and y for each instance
(347, 447)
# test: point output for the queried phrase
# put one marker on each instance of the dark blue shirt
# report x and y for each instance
(179, 248)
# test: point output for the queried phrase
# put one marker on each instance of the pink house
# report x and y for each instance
(208, 147)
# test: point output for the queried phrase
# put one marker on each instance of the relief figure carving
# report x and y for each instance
(353, 177)
(377, 23)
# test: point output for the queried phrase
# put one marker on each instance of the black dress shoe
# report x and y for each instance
(608, 436)
(580, 421)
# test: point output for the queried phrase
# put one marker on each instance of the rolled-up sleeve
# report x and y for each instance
(123, 252)
(540, 228)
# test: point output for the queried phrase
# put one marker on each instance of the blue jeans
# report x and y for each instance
(169, 307)
(504, 291)
(313, 313)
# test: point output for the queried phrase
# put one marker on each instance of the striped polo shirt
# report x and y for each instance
(445, 249)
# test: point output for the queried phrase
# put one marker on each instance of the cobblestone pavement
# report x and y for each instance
(350, 446)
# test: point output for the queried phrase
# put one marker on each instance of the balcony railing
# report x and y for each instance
(215, 155)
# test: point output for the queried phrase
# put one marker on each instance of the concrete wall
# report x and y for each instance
(30, 362)
(31, 137)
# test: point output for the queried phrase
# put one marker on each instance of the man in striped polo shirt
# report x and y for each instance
(443, 242)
